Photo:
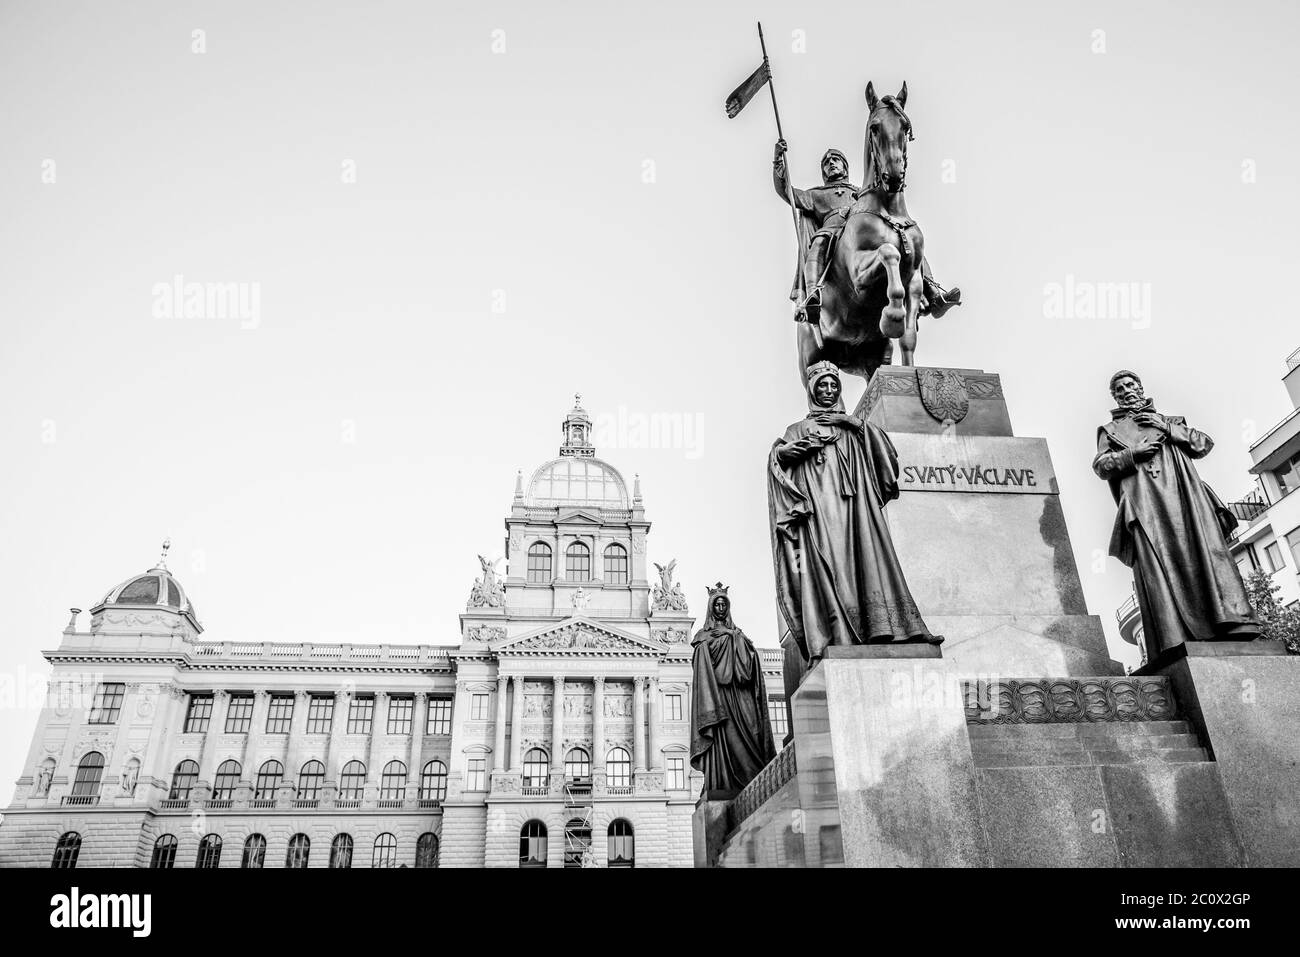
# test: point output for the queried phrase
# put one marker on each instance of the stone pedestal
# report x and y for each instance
(885, 772)
(710, 825)
(979, 530)
(1243, 698)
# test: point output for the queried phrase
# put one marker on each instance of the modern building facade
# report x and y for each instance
(1268, 534)
(554, 733)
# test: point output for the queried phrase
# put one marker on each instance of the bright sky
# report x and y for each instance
(573, 213)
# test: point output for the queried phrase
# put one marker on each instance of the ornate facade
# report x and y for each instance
(555, 733)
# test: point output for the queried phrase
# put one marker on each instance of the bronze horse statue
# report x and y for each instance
(873, 289)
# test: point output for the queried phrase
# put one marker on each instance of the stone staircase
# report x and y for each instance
(1080, 722)
(1080, 744)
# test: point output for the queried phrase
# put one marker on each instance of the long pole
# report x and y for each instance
(789, 190)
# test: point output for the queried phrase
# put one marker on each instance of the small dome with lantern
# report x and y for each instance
(156, 588)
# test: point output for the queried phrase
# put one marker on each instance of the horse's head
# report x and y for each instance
(885, 149)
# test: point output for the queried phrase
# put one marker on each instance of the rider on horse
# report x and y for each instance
(823, 211)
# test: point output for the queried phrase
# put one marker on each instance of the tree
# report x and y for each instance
(1276, 622)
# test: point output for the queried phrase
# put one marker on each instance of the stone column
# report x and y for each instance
(656, 720)
(165, 710)
(557, 724)
(379, 720)
(297, 728)
(216, 725)
(333, 760)
(517, 723)
(499, 741)
(638, 723)
(598, 724)
(419, 714)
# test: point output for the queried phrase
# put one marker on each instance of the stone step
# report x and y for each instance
(1075, 729)
(1087, 758)
(1149, 742)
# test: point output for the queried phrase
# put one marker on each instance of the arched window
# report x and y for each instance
(164, 852)
(577, 563)
(577, 763)
(433, 782)
(535, 766)
(209, 851)
(532, 844)
(616, 565)
(539, 562)
(183, 778)
(622, 846)
(269, 777)
(66, 850)
(577, 844)
(392, 786)
(89, 771)
(341, 851)
(223, 787)
(426, 850)
(254, 858)
(618, 768)
(299, 851)
(385, 851)
(310, 779)
(352, 782)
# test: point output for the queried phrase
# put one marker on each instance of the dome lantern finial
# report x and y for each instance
(162, 559)
(576, 430)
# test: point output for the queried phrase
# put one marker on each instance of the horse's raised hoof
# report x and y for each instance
(892, 321)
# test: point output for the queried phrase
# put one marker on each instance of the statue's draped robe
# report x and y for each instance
(1171, 530)
(838, 580)
(731, 737)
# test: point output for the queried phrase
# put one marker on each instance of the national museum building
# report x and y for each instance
(554, 734)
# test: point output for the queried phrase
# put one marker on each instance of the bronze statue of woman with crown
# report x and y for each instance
(731, 737)
(838, 580)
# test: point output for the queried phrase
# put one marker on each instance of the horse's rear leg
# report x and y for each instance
(893, 318)
(907, 341)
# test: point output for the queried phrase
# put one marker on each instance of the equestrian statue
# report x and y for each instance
(863, 279)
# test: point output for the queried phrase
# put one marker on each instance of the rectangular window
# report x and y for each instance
(360, 714)
(199, 713)
(320, 714)
(1273, 557)
(400, 710)
(439, 716)
(672, 707)
(1288, 476)
(279, 719)
(107, 704)
(475, 776)
(676, 774)
(1293, 543)
(776, 714)
(478, 707)
(239, 716)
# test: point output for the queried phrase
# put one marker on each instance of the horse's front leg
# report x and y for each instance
(907, 341)
(893, 317)
(809, 350)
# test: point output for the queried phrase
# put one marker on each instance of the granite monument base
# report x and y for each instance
(1243, 698)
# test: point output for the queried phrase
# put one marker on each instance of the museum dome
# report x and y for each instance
(577, 477)
(156, 587)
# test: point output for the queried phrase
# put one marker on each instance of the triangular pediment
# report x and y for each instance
(579, 516)
(579, 634)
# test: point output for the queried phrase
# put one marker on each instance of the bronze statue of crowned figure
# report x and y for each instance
(731, 733)
(1171, 528)
(838, 579)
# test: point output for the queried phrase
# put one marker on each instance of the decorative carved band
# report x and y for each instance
(1061, 700)
(767, 782)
